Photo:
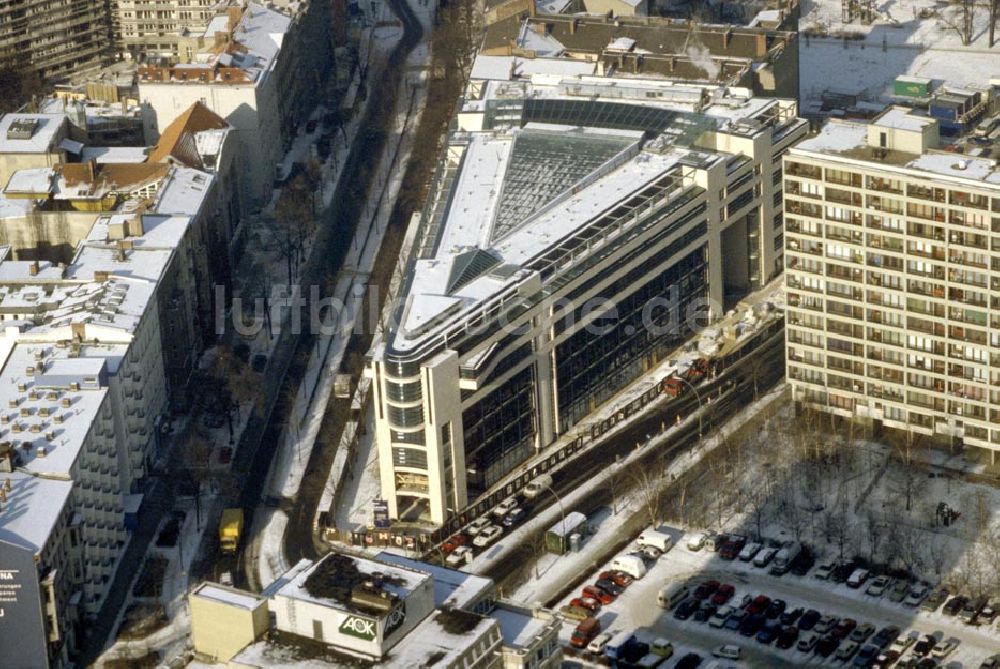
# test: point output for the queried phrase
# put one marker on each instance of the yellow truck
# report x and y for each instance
(230, 529)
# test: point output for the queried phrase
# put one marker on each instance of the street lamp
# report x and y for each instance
(562, 511)
(698, 397)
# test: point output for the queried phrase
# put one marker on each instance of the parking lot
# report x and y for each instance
(637, 609)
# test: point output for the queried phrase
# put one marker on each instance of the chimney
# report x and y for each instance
(135, 226)
(726, 37)
(573, 25)
(78, 331)
(33, 268)
(102, 275)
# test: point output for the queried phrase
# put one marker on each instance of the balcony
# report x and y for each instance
(934, 253)
(970, 239)
(885, 204)
(925, 193)
(843, 197)
(967, 297)
(803, 170)
(803, 209)
(884, 185)
(968, 278)
(927, 327)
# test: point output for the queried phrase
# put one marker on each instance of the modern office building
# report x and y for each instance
(559, 190)
(892, 274)
(54, 37)
(149, 30)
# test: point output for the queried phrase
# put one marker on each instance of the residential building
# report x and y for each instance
(259, 69)
(892, 279)
(150, 30)
(54, 38)
(559, 189)
(29, 141)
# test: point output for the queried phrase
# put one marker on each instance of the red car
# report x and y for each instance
(723, 594)
(588, 603)
(619, 578)
(758, 605)
(706, 589)
(454, 542)
(844, 628)
(598, 594)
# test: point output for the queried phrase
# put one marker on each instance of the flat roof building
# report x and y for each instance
(892, 300)
(560, 188)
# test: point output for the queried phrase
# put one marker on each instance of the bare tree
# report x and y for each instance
(649, 486)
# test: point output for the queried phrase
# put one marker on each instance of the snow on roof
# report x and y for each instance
(430, 644)
(621, 44)
(541, 45)
(901, 118)
(184, 191)
(835, 137)
(36, 180)
(950, 164)
(452, 587)
(37, 406)
(43, 136)
(209, 142)
(569, 524)
(552, 6)
(518, 628)
(32, 508)
(399, 580)
(230, 596)
(113, 154)
(506, 68)
(261, 31)
(14, 208)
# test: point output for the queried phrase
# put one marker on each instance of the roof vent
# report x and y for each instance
(42, 451)
(961, 165)
(22, 128)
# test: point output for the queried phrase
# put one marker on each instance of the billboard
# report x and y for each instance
(23, 642)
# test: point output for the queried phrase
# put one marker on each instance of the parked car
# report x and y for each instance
(596, 646)
(603, 596)
(971, 610)
(505, 507)
(924, 646)
(825, 624)
(487, 536)
(865, 657)
(723, 594)
(944, 648)
(758, 604)
(842, 572)
(589, 603)
(764, 557)
(992, 662)
(904, 641)
(877, 586)
(824, 570)
(689, 661)
(732, 547)
(935, 599)
(574, 612)
(619, 578)
(885, 636)
(857, 578)
(735, 619)
(886, 659)
(898, 590)
(807, 642)
(478, 525)
(775, 608)
(989, 613)
(728, 652)
(649, 553)
(803, 562)
(661, 647)
(514, 517)
(705, 611)
(844, 628)
(659, 540)
(954, 605)
(453, 542)
(696, 541)
(808, 620)
(789, 617)
(585, 632)
(768, 632)
(847, 651)
(609, 586)
(459, 556)
(720, 617)
(826, 645)
(862, 632)
(752, 624)
(704, 590)
(787, 636)
(686, 609)
(537, 486)
(749, 551)
(916, 594)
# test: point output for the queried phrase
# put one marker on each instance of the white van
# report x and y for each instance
(661, 541)
(671, 595)
(630, 564)
(537, 486)
(614, 647)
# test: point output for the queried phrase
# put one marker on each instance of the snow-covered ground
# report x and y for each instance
(637, 609)
(898, 42)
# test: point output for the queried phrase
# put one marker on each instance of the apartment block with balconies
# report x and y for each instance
(892, 271)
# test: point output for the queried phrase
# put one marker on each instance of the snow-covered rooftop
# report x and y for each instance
(31, 509)
(45, 129)
(230, 596)
(451, 587)
(518, 628)
(505, 68)
(900, 118)
(183, 191)
(114, 154)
